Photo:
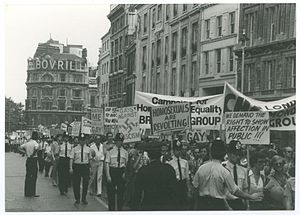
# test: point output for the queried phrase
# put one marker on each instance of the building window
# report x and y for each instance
(77, 78)
(218, 58)
(159, 12)
(194, 37)
(112, 48)
(47, 92)
(120, 63)
(158, 52)
(230, 59)
(166, 49)
(293, 69)
(232, 22)
(249, 80)
(272, 21)
(167, 12)
(144, 57)
(145, 22)
(166, 83)
(184, 8)
(121, 44)
(76, 106)
(111, 66)
(47, 78)
(62, 92)
(116, 64)
(152, 55)
(62, 77)
(174, 45)
(116, 46)
(268, 79)
(158, 83)
(207, 28)
(93, 101)
(183, 41)
(219, 25)
(175, 10)
(206, 61)
(76, 93)
(183, 80)
(173, 81)
(153, 18)
(33, 92)
(33, 104)
(193, 76)
(144, 84)
(46, 105)
(61, 105)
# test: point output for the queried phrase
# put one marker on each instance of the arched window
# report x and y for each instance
(47, 78)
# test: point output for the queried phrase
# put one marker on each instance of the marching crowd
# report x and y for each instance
(160, 174)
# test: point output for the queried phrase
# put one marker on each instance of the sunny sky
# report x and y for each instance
(28, 25)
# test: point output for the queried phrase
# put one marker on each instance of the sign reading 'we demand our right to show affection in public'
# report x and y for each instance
(251, 127)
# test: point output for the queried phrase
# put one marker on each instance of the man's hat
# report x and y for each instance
(119, 137)
(235, 147)
(152, 146)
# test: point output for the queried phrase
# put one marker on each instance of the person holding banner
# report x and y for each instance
(181, 168)
(116, 161)
(239, 173)
(109, 143)
(97, 163)
(63, 168)
(80, 157)
(213, 181)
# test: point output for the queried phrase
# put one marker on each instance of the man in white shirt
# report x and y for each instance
(97, 162)
(30, 148)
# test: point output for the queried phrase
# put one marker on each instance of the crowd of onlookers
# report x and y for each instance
(272, 170)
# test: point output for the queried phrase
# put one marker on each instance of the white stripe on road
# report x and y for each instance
(101, 202)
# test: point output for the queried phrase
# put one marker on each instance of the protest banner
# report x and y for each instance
(97, 120)
(250, 127)
(282, 112)
(55, 131)
(111, 116)
(199, 136)
(129, 124)
(86, 126)
(75, 128)
(170, 118)
(206, 112)
(64, 127)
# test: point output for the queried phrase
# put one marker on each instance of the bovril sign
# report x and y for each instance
(51, 64)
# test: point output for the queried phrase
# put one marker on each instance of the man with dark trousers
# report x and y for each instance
(181, 168)
(63, 168)
(30, 148)
(80, 157)
(116, 161)
(155, 183)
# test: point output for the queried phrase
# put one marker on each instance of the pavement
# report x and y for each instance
(50, 199)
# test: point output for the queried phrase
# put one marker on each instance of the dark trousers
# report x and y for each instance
(63, 169)
(236, 204)
(47, 168)
(80, 171)
(182, 200)
(210, 203)
(117, 186)
(31, 176)
(41, 161)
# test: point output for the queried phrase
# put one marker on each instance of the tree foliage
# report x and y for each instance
(14, 115)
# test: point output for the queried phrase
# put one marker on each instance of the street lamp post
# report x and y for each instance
(243, 39)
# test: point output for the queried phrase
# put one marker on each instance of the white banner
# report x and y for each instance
(111, 116)
(206, 112)
(97, 120)
(172, 117)
(129, 124)
(282, 112)
(251, 127)
(86, 126)
(75, 128)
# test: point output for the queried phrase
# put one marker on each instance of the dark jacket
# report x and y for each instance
(155, 187)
